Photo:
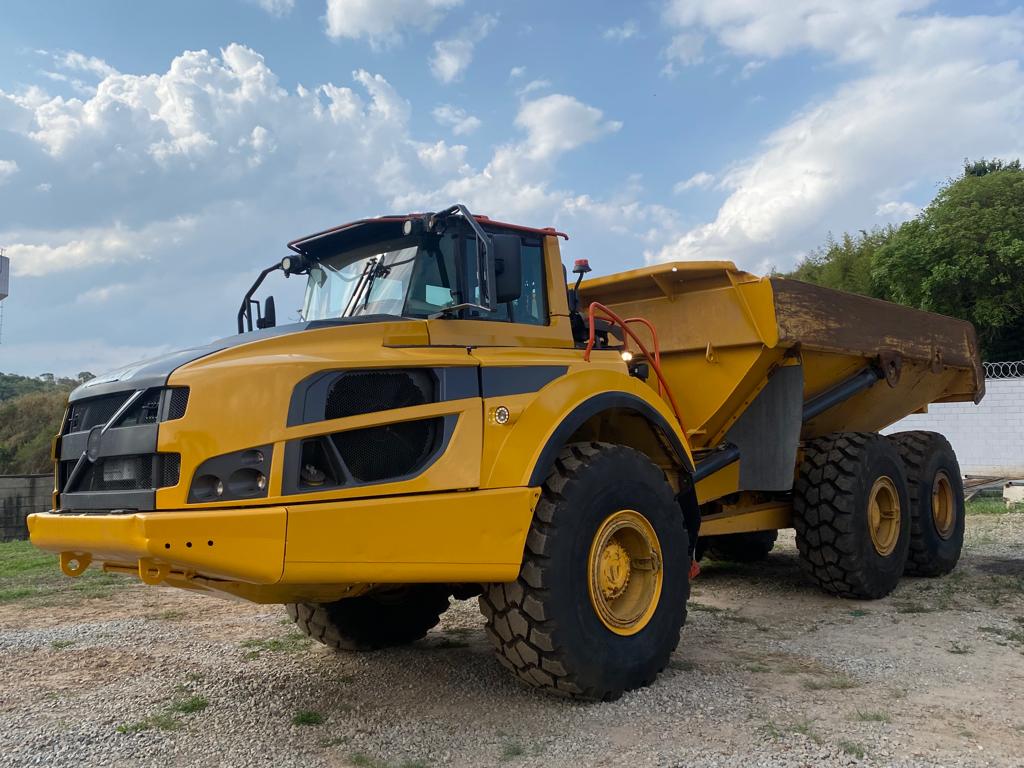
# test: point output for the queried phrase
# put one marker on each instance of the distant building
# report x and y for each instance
(5, 275)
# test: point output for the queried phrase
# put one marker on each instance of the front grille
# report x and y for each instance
(83, 415)
(145, 410)
(389, 451)
(171, 470)
(178, 403)
(124, 473)
(356, 392)
(117, 473)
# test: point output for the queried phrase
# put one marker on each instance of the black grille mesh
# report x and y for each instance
(124, 473)
(86, 414)
(145, 410)
(178, 403)
(389, 451)
(119, 473)
(357, 392)
(171, 469)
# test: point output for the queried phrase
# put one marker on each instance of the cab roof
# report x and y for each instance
(382, 228)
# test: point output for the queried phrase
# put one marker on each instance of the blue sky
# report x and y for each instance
(153, 157)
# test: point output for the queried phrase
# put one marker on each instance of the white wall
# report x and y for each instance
(989, 437)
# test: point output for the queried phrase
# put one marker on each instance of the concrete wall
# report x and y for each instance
(20, 496)
(988, 438)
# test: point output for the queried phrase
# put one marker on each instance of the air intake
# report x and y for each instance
(356, 392)
(390, 451)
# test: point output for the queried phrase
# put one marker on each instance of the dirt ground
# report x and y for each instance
(770, 671)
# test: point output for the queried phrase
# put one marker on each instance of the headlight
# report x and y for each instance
(232, 476)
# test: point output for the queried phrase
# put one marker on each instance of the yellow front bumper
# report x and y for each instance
(280, 554)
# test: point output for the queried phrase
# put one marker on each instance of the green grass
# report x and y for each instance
(188, 705)
(858, 613)
(33, 576)
(852, 748)
(59, 645)
(989, 506)
(307, 717)
(512, 749)
(910, 606)
(290, 643)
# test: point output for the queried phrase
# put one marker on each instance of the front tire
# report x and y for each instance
(936, 491)
(373, 621)
(852, 515)
(601, 595)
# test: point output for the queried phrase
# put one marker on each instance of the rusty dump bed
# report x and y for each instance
(724, 333)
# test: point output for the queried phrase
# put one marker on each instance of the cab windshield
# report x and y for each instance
(412, 279)
(418, 277)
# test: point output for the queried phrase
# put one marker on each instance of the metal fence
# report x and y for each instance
(1008, 370)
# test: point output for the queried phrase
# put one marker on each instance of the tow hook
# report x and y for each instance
(152, 572)
(74, 563)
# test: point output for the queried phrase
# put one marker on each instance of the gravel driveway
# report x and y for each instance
(770, 671)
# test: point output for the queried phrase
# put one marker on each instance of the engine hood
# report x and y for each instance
(155, 371)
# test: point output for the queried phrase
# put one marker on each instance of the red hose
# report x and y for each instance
(654, 359)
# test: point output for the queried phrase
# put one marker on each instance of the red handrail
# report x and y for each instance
(654, 359)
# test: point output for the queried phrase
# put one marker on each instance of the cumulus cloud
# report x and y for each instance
(699, 180)
(625, 31)
(381, 21)
(897, 210)
(276, 7)
(38, 253)
(533, 86)
(516, 72)
(452, 56)
(7, 169)
(934, 89)
(456, 118)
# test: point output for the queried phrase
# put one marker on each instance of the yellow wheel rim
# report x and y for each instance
(884, 515)
(625, 572)
(943, 505)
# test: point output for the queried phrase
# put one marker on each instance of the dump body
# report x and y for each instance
(726, 335)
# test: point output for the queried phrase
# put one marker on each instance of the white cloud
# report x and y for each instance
(750, 68)
(381, 21)
(897, 210)
(686, 49)
(7, 169)
(452, 56)
(79, 62)
(625, 31)
(699, 180)
(516, 72)
(277, 7)
(101, 294)
(935, 89)
(38, 253)
(514, 183)
(456, 118)
(533, 86)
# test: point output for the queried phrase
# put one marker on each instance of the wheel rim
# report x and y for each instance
(884, 515)
(943, 505)
(625, 570)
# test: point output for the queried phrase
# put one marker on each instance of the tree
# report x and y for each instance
(964, 256)
(845, 264)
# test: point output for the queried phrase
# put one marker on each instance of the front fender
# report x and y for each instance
(547, 422)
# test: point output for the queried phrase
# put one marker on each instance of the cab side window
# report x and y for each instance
(531, 306)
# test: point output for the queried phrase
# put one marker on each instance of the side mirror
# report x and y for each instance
(508, 268)
(269, 319)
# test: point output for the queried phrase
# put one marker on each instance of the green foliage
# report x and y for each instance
(962, 256)
(30, 414)
(845, 264)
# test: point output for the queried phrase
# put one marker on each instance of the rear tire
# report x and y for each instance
(737, 547)
(375, 620)
(851, 514)
(591, 615)
(936, 491)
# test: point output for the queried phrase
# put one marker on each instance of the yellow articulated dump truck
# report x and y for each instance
(453, 417)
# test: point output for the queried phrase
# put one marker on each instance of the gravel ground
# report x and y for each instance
(769, 671)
